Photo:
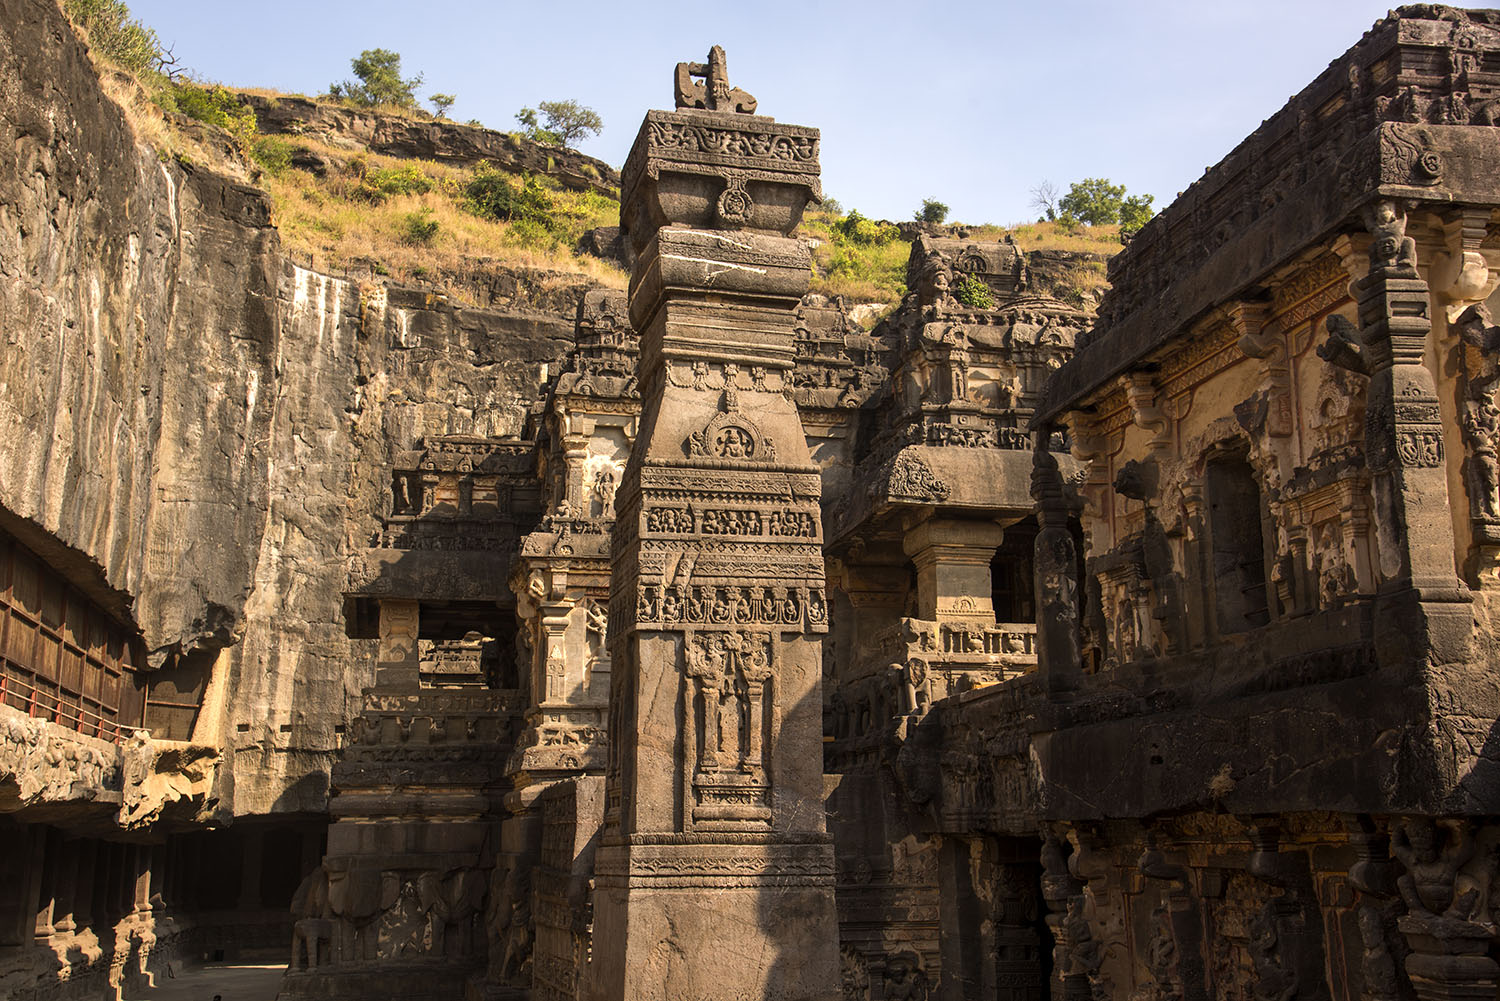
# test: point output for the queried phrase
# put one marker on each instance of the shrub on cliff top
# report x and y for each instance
(491, 194)
(866, 232)
(213, 104)
(115, 35)
(383, 182)
(932, 211)
(974, 293)
(417, 229)
(273, 153)
(380, 81)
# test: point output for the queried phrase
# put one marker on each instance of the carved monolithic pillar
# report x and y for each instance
(1403, 430)
(715, 873)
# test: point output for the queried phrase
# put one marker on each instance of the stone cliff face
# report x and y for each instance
(196, 430)
(429, 139)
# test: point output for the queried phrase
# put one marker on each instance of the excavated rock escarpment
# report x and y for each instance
(429, 139)
(196, 431)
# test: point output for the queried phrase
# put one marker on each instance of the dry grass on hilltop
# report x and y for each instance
(339, 222)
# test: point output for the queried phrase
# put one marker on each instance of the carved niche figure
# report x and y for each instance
(854, 974)
(1481, 425)
(1085, 953)
(905, 979)
(1377, 964)
(1391, 248)
(1427, 886)
(596, 626)
(1276, 980)
(1481, 416)
(602, 490)
(731, 435)
(958, 367)
(1336, 580)
(1161, 956)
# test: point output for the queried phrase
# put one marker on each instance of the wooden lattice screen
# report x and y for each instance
(62, 658)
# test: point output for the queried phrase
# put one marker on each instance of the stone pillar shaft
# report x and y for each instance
(715, 874)
(953, 558)
(398, 663)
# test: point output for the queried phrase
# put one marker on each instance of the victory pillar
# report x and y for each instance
(715, 873)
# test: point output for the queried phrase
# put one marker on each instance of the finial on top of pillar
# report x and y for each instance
(706, 86)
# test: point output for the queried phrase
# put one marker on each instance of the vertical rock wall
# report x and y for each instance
(196, 429)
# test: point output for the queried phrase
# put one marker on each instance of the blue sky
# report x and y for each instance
(971, 103)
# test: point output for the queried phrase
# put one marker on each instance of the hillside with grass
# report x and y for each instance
(386, 190)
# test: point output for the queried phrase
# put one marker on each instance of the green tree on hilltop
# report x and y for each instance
(565, 123)
(1095, 201)
(1135, 212)
(932, 211)
(379, 72)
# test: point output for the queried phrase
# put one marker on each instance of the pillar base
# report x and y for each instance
(715, 921)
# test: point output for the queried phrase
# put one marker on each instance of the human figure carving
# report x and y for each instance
(1379, 968)
(1392, 248)
(905, 979)
(1481, 426)
(1481, 415)
(1427, 885)
(1275, 981)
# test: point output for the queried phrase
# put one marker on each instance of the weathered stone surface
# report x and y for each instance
(162, 779)
(208, 425)
(41, 763)
(429, 139)
(715, 873)
(1159, 669)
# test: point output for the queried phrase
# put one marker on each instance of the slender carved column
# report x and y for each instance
(1403, 432)
(1056, 568)
(715, 873)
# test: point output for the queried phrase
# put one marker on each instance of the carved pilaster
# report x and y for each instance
(1263, 339)
(1404, 442)
(1140, 390)
(398, 662)
(1056, 566)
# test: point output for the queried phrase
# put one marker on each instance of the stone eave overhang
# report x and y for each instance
(1319, 211)
(1243, 219)
(979, 483)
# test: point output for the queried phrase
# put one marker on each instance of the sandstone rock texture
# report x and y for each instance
(200, 426)
(710, 645)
